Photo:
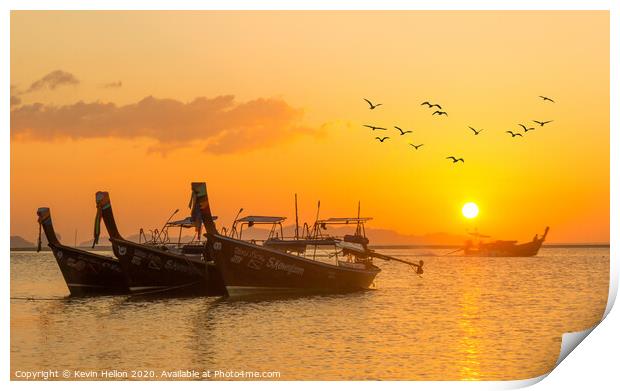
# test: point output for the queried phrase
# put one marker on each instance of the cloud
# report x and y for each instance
(54, 80)
(114, 84)
(15, 100)
(221, 124)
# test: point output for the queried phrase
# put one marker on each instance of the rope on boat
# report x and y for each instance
(27, 298)
(38, 298)
(452, 252)
(165, 289)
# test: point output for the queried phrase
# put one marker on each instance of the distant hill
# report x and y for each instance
(19, 242)
(104, 241)
(377, 236)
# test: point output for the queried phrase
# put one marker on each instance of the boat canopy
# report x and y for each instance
(360, 231)
(184, 223)
(477, 235)
(250, 221)
(344, 220)
(261, 219)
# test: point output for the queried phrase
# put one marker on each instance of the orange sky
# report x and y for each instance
(289, 114)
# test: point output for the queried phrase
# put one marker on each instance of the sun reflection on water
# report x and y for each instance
(469, 343)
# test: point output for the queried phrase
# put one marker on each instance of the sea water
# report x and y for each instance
(465, 318)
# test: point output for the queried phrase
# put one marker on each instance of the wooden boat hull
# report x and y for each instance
(89, 274)
(148, 268)
(507, 248)
(151, 269)
(298, 246)
(520, 250)
(249, 268)
(84, 273)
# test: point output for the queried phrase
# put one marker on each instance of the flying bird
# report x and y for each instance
(372, 106)
(440, 113)
(525, 128)
(546, 98)
(402, 132)
(416, 146)
(382, 139)
(542, 123)
(431, 105)
(454, 160)
(476, 131)
(374, 127)
(514, 134)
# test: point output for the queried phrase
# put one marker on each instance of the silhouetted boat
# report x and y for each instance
(276, 239)
(503, 248)
(247, 267)
(85, 273)
(161, 239)
(356, 245)
(149, 268)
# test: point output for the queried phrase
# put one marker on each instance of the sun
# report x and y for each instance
(470, 210)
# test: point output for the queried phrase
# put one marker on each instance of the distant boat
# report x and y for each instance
(149, 268)
(503, 248)
(85, 273)
(248, 267)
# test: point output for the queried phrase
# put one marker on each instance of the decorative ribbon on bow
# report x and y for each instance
(196, 216)
(103, 201)
(43, 215)
(39, 240)
(97, 228)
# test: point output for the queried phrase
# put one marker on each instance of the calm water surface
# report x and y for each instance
(467, 318)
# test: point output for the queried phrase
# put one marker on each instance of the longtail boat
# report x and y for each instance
(356, 245)
(149, 268)
(248, 267)
(503, 248)
(85, 273)
(162, 239)
(276, 238)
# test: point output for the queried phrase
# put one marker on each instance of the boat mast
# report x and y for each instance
(234, 224)
(357, 229)
(316, 228)
(165, 224)
(296, 220)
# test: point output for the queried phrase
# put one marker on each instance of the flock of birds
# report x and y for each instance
(439, 112)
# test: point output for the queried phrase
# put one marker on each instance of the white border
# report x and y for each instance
(310, 5)
(594, 360)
